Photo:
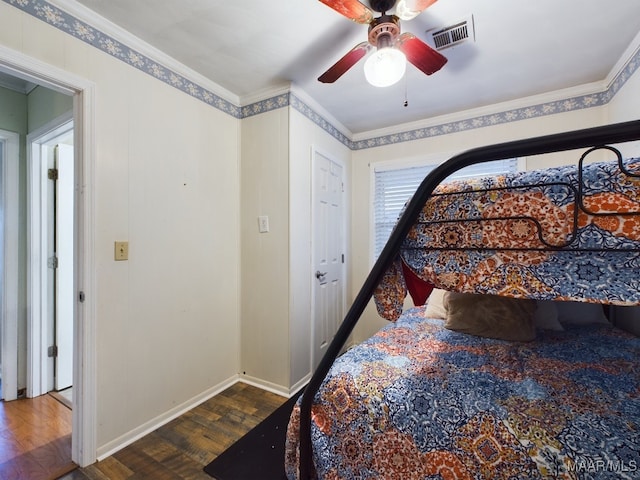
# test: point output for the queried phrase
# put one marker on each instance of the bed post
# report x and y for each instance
(597, 136)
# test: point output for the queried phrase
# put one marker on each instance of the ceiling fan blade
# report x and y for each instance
(352, 9)
(408, 9)
(420, 54)
(345, 63)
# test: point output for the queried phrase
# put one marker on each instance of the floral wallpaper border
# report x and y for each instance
(56, 17)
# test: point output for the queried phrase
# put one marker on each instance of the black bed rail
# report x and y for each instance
(591, 137)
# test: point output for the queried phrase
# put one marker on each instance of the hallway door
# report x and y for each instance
(328, 253)
(62, 324)
(51, 258)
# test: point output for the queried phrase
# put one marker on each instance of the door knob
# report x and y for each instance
(320, 274)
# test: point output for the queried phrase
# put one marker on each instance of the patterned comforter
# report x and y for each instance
(417, 401)
(454, 243)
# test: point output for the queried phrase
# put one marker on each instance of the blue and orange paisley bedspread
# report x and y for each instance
(536, 234)
(417, 401)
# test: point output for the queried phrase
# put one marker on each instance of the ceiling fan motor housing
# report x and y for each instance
(384, 30)
(382, 5)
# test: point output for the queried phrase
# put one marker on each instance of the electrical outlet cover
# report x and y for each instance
(121, 251)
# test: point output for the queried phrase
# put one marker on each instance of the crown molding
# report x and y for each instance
(123, 36)
(629, 58)
(311, 103)
(265, 101)
(488, 110)
(265, 94)
(626, 65)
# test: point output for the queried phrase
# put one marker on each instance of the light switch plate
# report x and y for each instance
(121, 251)
(263, 223)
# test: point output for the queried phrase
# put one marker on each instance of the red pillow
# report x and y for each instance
(418, 288)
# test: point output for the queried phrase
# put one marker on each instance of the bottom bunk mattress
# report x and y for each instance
(418, 401)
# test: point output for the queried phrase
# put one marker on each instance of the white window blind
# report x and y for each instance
(393, 187)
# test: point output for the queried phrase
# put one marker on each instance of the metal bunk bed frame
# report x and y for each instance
(586, 138)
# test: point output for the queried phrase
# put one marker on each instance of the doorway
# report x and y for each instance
(84, 438)
(328, 247)
(41, 427)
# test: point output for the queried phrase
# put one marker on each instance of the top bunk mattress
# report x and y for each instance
(564, 233)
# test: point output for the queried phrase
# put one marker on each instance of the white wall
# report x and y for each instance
(625, 106)
(166, 180)
(265, 256)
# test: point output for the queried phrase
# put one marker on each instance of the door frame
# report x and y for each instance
(38, 275)
(84, 435)
(315, 151)
(10, 268)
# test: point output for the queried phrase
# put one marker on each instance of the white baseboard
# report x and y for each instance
(264, 385)
(274, 388)
(137, 433)
(128, 438)
(300, 385)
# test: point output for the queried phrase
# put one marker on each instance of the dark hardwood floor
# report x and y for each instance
(181, 448)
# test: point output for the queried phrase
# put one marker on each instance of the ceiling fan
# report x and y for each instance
(387, 65)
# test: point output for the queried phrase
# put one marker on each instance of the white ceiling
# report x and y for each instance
(522, 48)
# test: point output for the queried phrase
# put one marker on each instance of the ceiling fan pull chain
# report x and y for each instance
(406, 101)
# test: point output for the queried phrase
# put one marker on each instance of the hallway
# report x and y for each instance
(35, 438)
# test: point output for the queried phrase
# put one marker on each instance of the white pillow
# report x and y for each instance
(435, 305)
(580, 313)
(546, 316)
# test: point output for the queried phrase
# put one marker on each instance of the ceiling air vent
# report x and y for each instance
(453, 34)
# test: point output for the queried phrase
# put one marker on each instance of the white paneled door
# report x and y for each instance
(51, 193)
(328, 252)
(64, 299)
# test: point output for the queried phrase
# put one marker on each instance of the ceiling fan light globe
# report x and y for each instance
(385, 67)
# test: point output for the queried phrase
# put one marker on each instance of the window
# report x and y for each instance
(393, 187)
